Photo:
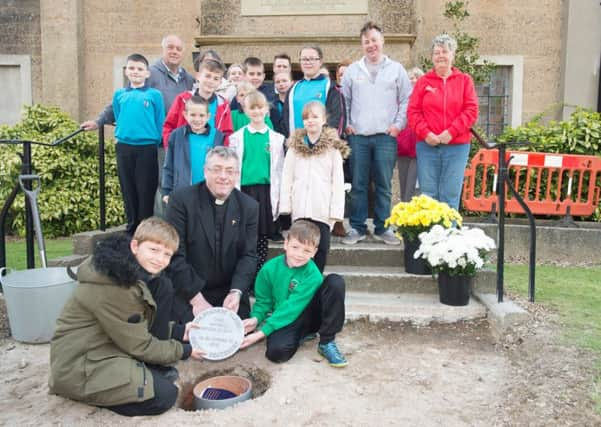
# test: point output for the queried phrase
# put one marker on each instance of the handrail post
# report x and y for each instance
(101, 178)
(501, 222)
(3, 216)
(532, 223)
(26, 170)
(502, 183)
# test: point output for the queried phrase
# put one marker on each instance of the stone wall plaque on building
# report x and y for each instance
(302, 7)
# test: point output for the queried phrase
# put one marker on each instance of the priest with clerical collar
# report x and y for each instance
(216, 262)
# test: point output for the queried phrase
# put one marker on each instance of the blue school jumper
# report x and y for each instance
(139, 114)
(200, 144)
(306, 91)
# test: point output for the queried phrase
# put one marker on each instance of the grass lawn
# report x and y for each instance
(576, 294)
(16, 257)
(574, 291)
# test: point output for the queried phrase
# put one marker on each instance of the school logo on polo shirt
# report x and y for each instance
(293, 284)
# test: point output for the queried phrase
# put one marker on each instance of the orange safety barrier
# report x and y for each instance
(571, 182)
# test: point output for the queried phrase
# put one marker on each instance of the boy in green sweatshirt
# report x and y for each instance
(300, 300)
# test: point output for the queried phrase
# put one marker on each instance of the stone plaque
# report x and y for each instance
(219, 335)
(302, 7)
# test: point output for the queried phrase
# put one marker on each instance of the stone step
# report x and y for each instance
(383, 279)
(67, 261)
(362, 254)
(395, 280)
(83, 243)
(415, 308)
(502, 315)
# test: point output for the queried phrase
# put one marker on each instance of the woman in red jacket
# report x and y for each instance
(442, 109)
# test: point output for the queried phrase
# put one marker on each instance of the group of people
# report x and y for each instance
(236, 155)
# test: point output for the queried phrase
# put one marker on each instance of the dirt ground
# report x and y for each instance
(458, 375)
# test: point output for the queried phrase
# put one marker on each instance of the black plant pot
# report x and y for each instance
(412, 265)
(454, 290)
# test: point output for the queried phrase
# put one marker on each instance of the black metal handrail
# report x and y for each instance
(101, 176)
(25, 170)
(47, 144)
(502, 183)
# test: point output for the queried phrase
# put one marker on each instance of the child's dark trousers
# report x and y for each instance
(324, 314)
(138, 177)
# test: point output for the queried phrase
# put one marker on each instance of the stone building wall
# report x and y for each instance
(106, 31)
(236, 37)
(509, 27)
(114, 29)
(221, 17)
(20, 35)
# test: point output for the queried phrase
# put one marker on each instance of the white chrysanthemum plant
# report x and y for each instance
(455, 251)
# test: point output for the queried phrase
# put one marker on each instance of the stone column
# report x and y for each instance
(580, 52)
(60, 22)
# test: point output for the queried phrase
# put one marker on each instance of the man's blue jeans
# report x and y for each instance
(440, 171)
(371, 156)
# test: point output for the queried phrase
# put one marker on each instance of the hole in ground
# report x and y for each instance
(259, 379)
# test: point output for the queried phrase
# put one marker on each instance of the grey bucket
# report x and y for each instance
(34, 299)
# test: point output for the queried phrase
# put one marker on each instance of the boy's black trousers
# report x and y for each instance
(139, 178)
(324, 314)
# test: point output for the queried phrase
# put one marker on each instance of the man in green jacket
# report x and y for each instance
(103, 352)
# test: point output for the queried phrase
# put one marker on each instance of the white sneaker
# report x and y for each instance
(352, 237)
(388, 237)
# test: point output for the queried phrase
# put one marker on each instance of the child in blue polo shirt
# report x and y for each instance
(139, 114)
(188, 147)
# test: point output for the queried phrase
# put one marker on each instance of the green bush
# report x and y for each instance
(581, 134)
(69, 199)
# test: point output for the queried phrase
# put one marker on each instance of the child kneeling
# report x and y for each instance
(105, 351)
(300, 300)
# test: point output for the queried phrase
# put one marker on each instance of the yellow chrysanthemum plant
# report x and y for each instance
(409, 219)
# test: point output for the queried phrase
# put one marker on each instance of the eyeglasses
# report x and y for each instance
(310, 59)
(223, 171)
